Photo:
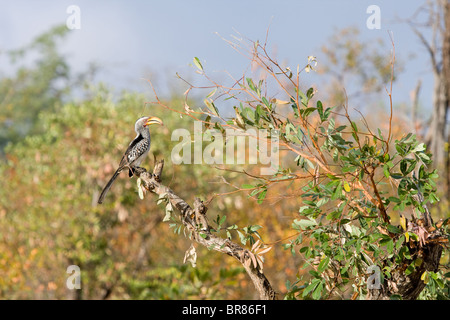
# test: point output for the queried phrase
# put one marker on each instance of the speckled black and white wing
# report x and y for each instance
(135, 153)
(138, 151)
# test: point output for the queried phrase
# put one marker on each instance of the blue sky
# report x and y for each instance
(132, 40)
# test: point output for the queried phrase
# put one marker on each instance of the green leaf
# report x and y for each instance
(418, 262)
(393, 229)
(303, 97)
(343, 221)
(403, 166)
(198, 63)
(242, 237)
(251, 85)
(425, 158)
(399, 242)
(394, 199)
(295, 109)
(261, 196)
(323, 264)
(390, 246)
(305, 223)
(396, 176)
(419, 147)
(319, 107)
(410, 269)
(412, 235)
(327, 113)
(312, 286)
(334, 215)
(211, 106)
(307, 111)
(380, 134)
(211, 93)
(411, 167)
(317, 291)
(337, 192)
(266, 102)
(254, 228)
(363, 222)
(310, 203)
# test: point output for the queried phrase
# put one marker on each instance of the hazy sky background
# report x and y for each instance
(131, 40)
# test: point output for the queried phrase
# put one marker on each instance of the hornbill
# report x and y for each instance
(136, 152)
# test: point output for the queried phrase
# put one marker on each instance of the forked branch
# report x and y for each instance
(196, 222)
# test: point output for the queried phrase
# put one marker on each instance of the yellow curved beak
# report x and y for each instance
(153, 120)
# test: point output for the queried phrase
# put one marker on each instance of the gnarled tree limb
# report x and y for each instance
(194, 219)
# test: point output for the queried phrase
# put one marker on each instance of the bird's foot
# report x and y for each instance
(157, 177)
(139, 170)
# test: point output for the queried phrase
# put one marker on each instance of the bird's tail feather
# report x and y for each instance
(108, 185)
